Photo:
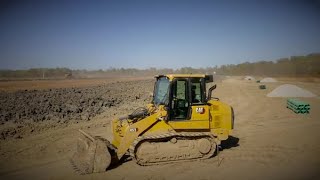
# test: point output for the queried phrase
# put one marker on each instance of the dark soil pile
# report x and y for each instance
(69, 103)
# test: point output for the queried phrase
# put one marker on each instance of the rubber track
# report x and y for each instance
(137, 141)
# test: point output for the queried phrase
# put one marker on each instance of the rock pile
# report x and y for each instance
(289, 90)
(249, 78)
(268, 79)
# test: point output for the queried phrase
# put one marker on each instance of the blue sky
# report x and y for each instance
(154, 33)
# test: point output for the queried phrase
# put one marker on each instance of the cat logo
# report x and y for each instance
(200, 110)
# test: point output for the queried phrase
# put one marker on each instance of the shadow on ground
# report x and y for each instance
(230, 143)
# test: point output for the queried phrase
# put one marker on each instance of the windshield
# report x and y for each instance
(161, 91)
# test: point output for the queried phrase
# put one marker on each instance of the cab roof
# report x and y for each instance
(172, 76)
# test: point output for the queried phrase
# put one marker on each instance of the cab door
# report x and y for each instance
(188, 109)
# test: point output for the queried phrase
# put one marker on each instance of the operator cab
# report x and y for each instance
(180, 93)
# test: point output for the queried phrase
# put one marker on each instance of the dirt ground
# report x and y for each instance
(274, 142)
(61, 83)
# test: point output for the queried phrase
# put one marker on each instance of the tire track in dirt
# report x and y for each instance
(263, 154)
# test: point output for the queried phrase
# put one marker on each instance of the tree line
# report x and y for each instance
(35, 73)
(308, 65)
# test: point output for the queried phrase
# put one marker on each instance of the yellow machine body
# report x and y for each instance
(181, 123)
(216, 118)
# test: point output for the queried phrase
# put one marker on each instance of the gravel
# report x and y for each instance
(289, 90)
(268, 79)
(249, 78)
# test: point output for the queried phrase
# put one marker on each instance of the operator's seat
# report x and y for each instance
(180, 111)
(193, 94)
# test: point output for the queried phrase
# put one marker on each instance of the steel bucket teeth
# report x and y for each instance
(75, 168)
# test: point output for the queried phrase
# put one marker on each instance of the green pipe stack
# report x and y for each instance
(298, 106)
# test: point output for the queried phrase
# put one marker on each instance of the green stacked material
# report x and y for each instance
(262, 86)
(298, 106)
(258, 81)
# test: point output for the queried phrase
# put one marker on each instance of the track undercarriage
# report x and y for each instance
(95, 153)
(172, 147)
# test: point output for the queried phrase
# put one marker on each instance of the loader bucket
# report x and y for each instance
(92, 154)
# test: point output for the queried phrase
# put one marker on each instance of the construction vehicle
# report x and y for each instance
(182, 123)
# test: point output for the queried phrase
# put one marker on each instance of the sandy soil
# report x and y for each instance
(61, 83)
(274, 143)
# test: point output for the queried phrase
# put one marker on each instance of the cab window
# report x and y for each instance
(196, 89)
(180, 102)
(161, 91)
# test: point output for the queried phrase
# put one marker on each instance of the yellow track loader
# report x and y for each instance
(182, 123)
